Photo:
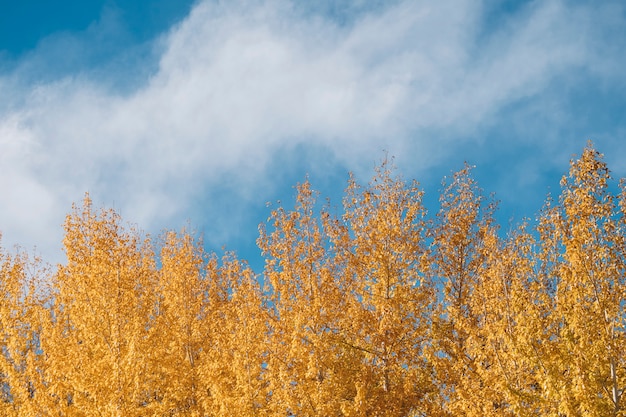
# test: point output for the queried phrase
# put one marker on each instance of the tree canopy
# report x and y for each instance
(379, 310)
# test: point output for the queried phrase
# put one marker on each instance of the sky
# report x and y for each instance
(180, 113)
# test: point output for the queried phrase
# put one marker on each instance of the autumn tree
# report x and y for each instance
(311, 374)
(585, 236)
(388, 316)
(178, 337)
(464, 237)
(22, 302)
(235, 356)
(101, 317)
(512, 327)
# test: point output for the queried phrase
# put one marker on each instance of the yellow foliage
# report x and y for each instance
(378, 310)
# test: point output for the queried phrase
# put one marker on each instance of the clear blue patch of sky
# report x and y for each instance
(110, 40)
(24, 23)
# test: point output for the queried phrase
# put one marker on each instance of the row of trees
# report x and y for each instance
(379, 311)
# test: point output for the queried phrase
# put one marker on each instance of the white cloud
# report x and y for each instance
(237, 81)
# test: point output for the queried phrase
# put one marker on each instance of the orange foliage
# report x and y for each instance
(378, 311)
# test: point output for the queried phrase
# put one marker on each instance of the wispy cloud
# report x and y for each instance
(237, 83)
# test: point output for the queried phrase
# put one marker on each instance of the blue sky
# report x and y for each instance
(198, 113)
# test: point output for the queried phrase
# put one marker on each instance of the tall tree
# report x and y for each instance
(103, 307)
(390, 299)
(587, 238)
(512, 327)
(309, 372)
(179, 334)
(463, 237)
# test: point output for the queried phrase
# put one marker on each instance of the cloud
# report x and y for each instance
(237, 83)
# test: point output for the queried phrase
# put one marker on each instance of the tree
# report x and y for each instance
(464, 241)
(101, 317)
(390, 299)
(310, 373)
(236, 355)
(586, 236)
(22, 392)
(178, 338)
(512, 311)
